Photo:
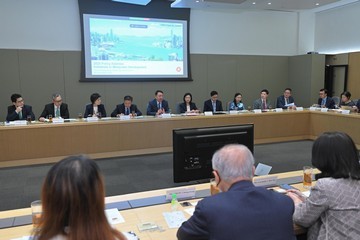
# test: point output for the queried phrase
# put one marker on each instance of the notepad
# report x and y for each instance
(262, 169)
(113, 216)
(174, 219)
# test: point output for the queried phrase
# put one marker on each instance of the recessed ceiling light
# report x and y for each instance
(254, 3)
(317, 4)
(197, 1)
(269, 3)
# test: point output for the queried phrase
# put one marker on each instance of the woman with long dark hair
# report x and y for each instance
(237, 103)
(332, 211)
(187, 105)
(73, 202)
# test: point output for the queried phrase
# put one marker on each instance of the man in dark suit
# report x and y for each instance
(157, 106)
(19, 111)
(284, 100)
(325, 101)
(126, 108)
(57, 108)
(213, 104)
(240, 210)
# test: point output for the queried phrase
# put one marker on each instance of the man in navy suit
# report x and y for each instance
(240, 210)
(285, 99)
(19, 111)
(213, 104)
(325, 101)
(126, 108)
(57, 108)
(157, 106)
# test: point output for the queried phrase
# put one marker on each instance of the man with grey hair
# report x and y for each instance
(56, 109)
(240, 210)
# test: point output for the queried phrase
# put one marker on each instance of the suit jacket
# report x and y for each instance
(26, 110)
(332, 210)
(258, 104)
(152, 107)
(358, 105)
(49, 109)
(330, 103)
(243, 212)
(120, 109)
(280, 102)
(182, 107)
(89, 110)
(208, 107)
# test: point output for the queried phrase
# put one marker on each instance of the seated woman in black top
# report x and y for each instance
(345, 99)
(188, 105)
(95, 108)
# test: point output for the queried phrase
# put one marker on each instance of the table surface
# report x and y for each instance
(136, 216)
(40, 141)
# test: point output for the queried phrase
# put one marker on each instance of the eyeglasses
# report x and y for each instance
(19, 101)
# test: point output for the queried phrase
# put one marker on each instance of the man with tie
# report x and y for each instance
(213, 104)
(263, 102)
(286, 99)
(19, 111)
(57, 108)
(324, 101)
(126, 108)
(157, 106)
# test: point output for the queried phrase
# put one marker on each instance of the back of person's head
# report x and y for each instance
(336, 156)
(233, 162)
(94, 97)
(14, 97)
(212, 93)
(73, 202)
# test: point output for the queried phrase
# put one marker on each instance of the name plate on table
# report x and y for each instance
(166, 115)
(257, 110)
(345, 111)
(58, 120)
(233, 112)
(278, 109)
(208, 113)
(20, 122)
(92, 119)
(299, 109)
(265, 181)
(124, 117)
(312, 108)
(182, 193)
(324, 109)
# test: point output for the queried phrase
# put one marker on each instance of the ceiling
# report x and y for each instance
(255, 5)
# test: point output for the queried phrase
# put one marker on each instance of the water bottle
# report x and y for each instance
(174, 202)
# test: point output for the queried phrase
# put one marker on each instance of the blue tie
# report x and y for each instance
(127, 111)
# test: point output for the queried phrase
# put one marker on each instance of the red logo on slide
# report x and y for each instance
(178, 69)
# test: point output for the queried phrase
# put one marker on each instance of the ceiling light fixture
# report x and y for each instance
(317, 4)
(269, 3)
(254, 3)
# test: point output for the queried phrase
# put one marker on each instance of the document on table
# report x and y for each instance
(190, 211)
(113, 216)
(174, 219)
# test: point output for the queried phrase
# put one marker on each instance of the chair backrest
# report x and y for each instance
(228, 105)
(177, 108)
(336, 100)
(355, 101)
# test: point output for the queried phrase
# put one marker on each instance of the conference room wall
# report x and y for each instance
(354, 75)
(37, 74)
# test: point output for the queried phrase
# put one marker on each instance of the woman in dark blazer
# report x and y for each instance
(95, 109)
(188, 105)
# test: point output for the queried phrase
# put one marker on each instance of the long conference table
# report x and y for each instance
(38, 143)
(135, 214)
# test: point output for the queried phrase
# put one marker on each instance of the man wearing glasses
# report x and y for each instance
(19, 111)
(56, 109)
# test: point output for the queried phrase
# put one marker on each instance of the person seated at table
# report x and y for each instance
(240, 210)
(357, 107)
(345, 100)
(126, 108)
(285, 99)
(332, 211)
(188, 105)
(19, 111)
(95, 108)
(237, 103)
(324, 101)
(73, 203)
(158, 105)
(213, 104)
(57, 108)
(263, 102)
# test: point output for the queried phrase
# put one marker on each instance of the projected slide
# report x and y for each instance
(134, 47)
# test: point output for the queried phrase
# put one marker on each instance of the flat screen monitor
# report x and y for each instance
(193, 148)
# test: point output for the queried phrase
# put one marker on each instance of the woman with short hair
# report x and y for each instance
(332, 211)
